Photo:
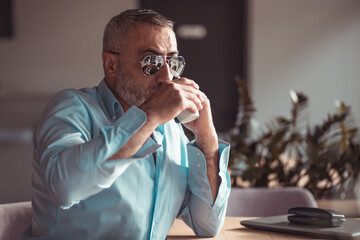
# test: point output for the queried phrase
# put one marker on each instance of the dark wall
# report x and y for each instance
(211, 61)
(5, 18)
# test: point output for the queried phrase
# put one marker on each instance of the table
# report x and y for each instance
(232, 229)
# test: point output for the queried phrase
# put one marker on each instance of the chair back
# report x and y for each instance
(262, 202)
(14, 219)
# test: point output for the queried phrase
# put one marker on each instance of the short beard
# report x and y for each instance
(125, 89)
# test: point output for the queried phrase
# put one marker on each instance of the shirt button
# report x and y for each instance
(198, 165)
(198, 153)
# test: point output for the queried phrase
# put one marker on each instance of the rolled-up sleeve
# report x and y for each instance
(203, 215)
(70, 160)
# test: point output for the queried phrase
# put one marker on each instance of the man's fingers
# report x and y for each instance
(178, 95)
(196, 102)
(186, 81)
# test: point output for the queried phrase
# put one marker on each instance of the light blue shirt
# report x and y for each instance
(77, 194)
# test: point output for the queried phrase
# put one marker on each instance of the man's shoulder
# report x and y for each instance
(73, 93)
(72, 98)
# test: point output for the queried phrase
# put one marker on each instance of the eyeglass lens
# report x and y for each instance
(151, 64)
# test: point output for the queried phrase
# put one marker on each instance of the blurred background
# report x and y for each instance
(274, 45)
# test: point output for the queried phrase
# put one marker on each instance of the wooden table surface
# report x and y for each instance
(232, 229)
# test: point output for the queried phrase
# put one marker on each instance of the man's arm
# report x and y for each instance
(207, 141)
(210, 150)
(70, 150)
(135, 142)
(206, 210)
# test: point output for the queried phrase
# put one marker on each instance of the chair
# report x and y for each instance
(262, 202)
(14, 219)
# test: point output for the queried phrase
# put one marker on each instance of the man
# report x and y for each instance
(112, 163)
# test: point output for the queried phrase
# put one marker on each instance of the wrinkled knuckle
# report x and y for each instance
(170, 85)
(178, 91)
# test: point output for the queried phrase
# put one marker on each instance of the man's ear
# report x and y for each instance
(110, 64)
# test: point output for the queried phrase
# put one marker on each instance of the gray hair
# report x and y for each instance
(120, 25)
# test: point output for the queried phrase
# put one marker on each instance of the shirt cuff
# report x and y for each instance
(198, 180)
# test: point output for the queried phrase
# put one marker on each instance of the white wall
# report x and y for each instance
(57, 44)
(312, 46)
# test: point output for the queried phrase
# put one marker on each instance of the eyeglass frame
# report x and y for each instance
(166, 60)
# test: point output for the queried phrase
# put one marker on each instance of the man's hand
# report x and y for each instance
(171, 98)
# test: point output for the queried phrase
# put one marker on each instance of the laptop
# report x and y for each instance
(350, 229)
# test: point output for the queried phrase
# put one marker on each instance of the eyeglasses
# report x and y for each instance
(151, 64)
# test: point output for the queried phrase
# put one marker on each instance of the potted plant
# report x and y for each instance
(288, 152)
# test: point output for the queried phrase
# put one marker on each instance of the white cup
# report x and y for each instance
(187, 116)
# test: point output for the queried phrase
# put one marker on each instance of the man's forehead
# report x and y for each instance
(153, 39)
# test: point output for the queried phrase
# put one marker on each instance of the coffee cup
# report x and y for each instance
(187, 116)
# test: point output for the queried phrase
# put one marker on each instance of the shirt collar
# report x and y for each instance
(112, 105)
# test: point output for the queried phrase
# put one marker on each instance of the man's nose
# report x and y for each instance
(164, 74)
